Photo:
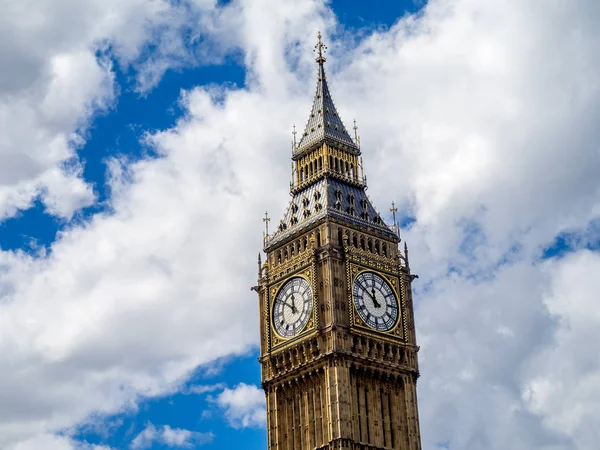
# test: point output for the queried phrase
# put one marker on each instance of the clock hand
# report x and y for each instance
(292, 306)
(376, 304)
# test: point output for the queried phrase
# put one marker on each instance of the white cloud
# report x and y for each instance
(563, 381)
(199, 389)
(57, 76)
(52, 442)
(243, 406)
(171, 437)
(477, 116)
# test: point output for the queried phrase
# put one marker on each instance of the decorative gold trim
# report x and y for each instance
(398, 331)
(372, 260)
(309, 275)
(295, 263)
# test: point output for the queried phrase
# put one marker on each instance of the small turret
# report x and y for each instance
(259, 267)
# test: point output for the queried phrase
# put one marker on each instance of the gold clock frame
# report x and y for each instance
(276, 340)
(398, 331)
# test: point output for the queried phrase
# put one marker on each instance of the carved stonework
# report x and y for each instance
(346, 377)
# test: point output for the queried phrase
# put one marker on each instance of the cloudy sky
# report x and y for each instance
(141, 142)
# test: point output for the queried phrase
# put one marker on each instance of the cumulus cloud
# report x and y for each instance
(170, 437)
(243, 406)
(478, 117)
(53, 442)
(58, 74)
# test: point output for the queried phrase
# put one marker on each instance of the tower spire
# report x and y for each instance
(324, 123)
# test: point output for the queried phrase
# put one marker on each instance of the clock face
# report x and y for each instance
(375, 301)
(292, 307)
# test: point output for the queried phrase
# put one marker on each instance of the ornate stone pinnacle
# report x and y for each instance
(320, 48)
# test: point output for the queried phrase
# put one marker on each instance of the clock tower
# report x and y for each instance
(337, 336)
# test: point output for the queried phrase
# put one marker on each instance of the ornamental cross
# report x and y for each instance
(266, 220)
(320, 48)
(394, 210)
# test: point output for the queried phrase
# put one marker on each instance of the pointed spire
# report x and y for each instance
(294, 133)
(259, 266)
(324, 122)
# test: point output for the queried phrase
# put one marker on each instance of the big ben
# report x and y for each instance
(338, 351)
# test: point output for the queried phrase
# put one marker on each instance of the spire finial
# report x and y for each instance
(294, 133)
(320, 48)
(394, 210)
(266, 220)
(356, 138)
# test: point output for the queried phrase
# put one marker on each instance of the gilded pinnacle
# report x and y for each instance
(320, 48)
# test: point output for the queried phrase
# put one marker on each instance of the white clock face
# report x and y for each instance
(292, 307)
(375, 301)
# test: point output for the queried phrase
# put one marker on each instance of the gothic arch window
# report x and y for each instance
(370, 245)
(292, 250)
(318, 238)
(320, 163)
(377, 247)
(279, 257)
(337, 165)
(362, 242)
(305, 242)
(330, 162)
(298, 247)
(285, 254)
(384, 248)
(340, 237)
(354, 240)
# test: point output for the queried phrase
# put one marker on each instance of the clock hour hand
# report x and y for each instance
(292, 306)
(372, 295)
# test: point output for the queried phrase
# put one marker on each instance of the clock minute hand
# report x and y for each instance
(372, 295)
(292, 306)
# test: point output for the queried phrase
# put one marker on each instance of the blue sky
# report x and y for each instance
(142, 147)
(119, 132)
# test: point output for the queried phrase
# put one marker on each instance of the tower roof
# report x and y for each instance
(324, 123)
(329, 198)
(326, 191)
